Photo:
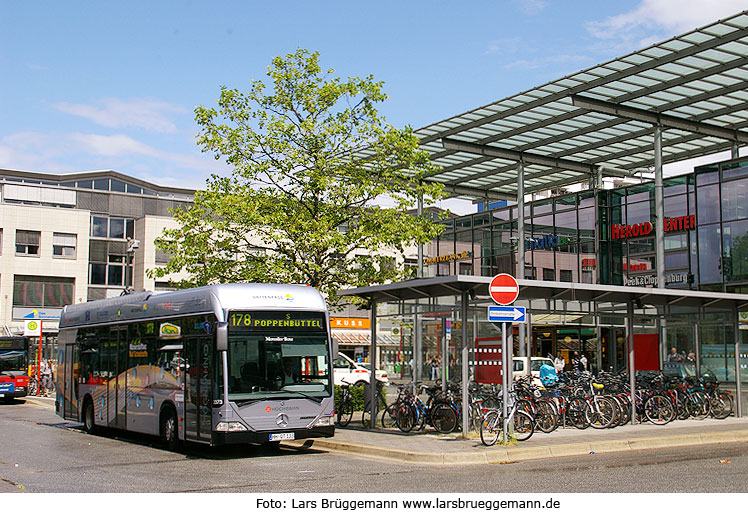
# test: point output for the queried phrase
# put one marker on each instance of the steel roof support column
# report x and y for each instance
(373, 361)
(659, 209)
(417, 334)
(465, 382)
(738, 381)
(632, 369)
(523, 338)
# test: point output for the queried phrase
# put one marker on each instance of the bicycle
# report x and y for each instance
(381, 402)
(492, 425)
(344, 406)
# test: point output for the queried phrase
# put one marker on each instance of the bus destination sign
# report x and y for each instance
(277, 320)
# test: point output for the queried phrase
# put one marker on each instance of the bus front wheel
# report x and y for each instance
(170, 429)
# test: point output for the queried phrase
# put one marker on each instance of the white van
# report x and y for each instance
(346, 370)
(523, 366)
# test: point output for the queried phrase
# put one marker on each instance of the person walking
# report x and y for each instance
(583, 362)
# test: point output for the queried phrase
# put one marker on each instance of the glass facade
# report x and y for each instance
(603, 237)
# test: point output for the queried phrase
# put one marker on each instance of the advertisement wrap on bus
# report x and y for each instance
(223, 364)
(14, 379)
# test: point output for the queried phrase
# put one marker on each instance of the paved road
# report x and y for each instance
(41, 453)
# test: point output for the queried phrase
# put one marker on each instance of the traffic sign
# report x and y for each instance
(503, 289)
(510, 314)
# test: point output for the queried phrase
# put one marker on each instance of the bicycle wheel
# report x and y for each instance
(603, 413)
(490, 428)
(659, 410)
(345, 412)
(388, 415)
(545, 416)
(697, 407)
(579, 412)
(443, 418)
(720, 405)
(524, 426)
(406, 418)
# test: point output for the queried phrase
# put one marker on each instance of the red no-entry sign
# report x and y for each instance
(504, 289)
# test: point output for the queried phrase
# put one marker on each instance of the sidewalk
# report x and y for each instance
(435, 449)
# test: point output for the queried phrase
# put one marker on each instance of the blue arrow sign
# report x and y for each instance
(511, 314)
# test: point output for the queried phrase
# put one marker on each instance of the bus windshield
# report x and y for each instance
(12, 362)
(278, 365)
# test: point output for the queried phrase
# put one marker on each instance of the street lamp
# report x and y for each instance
(132, 244)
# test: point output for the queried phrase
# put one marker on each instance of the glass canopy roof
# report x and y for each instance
(695, 85)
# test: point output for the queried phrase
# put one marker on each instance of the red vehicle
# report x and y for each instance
(14, 379)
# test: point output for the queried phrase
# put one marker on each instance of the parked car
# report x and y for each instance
(522, 366)
(346, 370)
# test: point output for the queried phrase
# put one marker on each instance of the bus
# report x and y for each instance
(221, 364)
(14, 361)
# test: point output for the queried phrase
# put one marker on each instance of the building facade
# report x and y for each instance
(77, 237)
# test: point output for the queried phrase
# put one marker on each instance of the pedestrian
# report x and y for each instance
(46, 378)
(559, 363)
(576, 363)
(583, 361)
(673, 356)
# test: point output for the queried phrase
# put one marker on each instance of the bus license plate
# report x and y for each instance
(283, 437)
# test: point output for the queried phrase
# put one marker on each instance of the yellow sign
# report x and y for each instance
(169, 331)
(448, 257)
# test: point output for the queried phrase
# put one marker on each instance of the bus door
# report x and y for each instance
(119, 383)
(68, 378)
(199, 355)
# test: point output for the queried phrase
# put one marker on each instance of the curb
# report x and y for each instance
(515, 453)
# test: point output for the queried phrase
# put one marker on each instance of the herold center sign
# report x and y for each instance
(620, 231)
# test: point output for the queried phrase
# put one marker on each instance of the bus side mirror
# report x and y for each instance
(222, 336)
(334, 341)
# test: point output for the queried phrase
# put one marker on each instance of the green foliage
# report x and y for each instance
(311, 158)
(357, 396)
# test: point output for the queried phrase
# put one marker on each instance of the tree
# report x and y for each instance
(310, 160)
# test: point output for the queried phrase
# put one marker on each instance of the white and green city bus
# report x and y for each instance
(223, 364)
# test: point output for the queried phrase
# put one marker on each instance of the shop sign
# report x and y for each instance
(350, 323)
(36, 313)
(621, 231)
(588, 263)
(546, 242)
(651, 279)
(642, 281)
(448, 258)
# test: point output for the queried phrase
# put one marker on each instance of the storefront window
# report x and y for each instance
(639, 212)
(676, 260)
(709, 254)
(708, 203)
(735, 199)
(566, 223)
(675, 206)
(735, 242)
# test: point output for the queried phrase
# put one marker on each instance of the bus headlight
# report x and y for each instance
(324, 421)
(232, 426)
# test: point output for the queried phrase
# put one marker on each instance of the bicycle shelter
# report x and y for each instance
(472, 293)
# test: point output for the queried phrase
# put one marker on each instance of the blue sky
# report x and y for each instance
(112, 85)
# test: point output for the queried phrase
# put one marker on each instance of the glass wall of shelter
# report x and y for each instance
(703, 339)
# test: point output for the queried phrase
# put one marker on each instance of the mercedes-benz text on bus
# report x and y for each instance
(223, 364)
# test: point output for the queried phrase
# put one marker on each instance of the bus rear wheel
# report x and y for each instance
(170, 429)
(88, 417)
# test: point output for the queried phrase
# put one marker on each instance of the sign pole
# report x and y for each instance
(504, 379)
(39, 361)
